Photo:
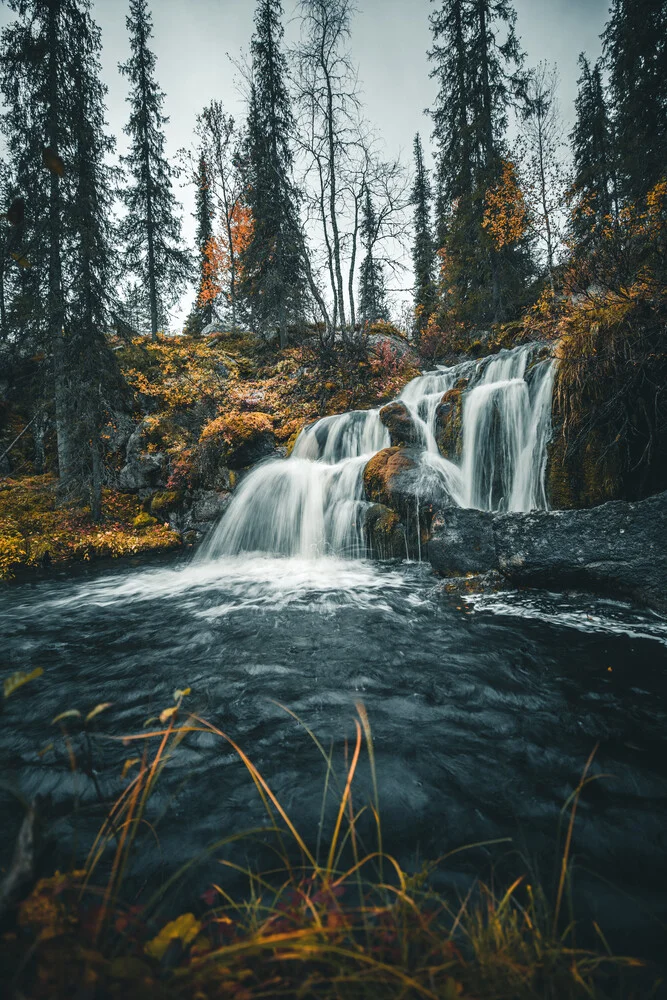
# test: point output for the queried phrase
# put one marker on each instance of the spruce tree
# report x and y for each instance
(593, 188)
(151, 229)
(202, 313)
(372, 286)
(274, 279)
(423, 257)
(477, 63)
(54, 126)
(635, 53)
(93, 268)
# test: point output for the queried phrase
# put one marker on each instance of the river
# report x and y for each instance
(483, 714)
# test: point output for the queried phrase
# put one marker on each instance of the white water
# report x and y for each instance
(312, 504)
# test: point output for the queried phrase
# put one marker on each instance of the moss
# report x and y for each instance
(449, 421)
(380, 471)
(35, 531)
(166, 501)
(144, 520)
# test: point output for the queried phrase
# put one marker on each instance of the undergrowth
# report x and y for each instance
(331, 919)
(36, 531)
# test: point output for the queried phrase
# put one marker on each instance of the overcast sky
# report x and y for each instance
(196, 42)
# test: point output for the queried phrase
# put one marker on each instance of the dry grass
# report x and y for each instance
(332, 920)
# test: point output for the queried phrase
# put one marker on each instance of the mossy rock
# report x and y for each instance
(449, 421)
(164, 502)
(384, 473)
(144, 520)
(398, 420)
(385, 534)
(237, 439)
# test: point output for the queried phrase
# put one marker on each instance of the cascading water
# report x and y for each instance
(312, 504)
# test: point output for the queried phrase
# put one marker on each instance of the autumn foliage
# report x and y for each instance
(224, 253)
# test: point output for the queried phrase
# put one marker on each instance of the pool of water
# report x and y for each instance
(483, 711)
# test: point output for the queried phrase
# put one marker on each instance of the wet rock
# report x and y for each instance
(462, 542)
(390, 476)
(385, 535)
(402, 429)
(449, 421)
(618, 548)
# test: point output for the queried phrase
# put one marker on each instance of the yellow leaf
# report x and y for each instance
(184, 929)
(17, 680)
(130, 762)
(178, 694)
(73, 713)
(98, 710)
(168, 714)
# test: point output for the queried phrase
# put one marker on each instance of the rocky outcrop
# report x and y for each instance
(449, 421)
(142, 469)
(402, 429)
(385, 535)
(618, 548)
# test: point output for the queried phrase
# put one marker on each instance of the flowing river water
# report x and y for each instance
(484, 711)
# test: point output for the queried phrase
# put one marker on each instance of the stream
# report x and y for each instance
(483, 715)
(484, 710)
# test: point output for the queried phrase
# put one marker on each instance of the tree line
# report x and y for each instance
(300, 217)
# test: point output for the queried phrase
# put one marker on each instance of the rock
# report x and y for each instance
(402, 429)
(142, 469)
(449, 422)
(208, 506)
(144, 520)
(389, 478)
(142, 472)
(408, 481)
(385, 535)
(377, 342)
(618, 548)
(164, 502)
(236, 440)
(462, 542)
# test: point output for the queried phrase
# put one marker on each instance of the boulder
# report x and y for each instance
(618, 548)
(397, 418)
(142, 469)
(385, 535)
(449, 421)
(462, 542)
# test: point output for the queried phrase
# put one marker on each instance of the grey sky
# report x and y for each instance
(195, 38)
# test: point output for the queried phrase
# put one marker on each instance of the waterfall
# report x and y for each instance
(312, 504)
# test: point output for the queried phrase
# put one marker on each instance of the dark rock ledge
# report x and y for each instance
(619, 548)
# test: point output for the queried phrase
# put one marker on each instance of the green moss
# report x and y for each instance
(449, 423)
(166, 501)
(144, 520)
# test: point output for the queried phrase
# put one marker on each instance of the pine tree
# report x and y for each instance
(478, 76)
(94, 264)
(151, 230)
(423, 256)
(51, 87)
(372, 286)
(274, 279)
(635, 54)
(593, 188)
(202, 311)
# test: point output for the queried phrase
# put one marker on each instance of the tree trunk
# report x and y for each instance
(331, 138)
(56, 311)
(489, 151)
(150, 222)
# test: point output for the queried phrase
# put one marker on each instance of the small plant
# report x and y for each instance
(330, 920)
